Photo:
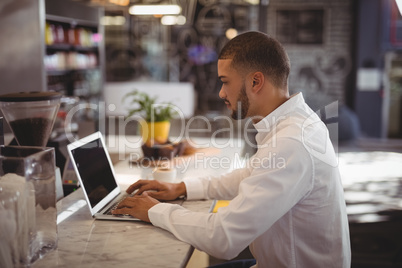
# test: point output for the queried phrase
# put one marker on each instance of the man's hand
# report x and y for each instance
(136, 206)
(160, 190)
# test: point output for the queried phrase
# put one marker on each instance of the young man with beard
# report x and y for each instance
(291, 215)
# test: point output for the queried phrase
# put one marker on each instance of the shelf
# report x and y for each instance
(74, 48)
(73, 21)
(69, 71)
(69, 47)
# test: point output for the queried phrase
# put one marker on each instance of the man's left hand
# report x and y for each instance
(136, 206)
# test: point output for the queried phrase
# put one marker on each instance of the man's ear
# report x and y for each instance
(258, 80)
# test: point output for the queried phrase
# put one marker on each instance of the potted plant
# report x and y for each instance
(156, 124)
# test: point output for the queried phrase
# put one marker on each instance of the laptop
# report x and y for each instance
(94, 170)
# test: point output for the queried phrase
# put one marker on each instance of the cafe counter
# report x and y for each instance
(85, 242)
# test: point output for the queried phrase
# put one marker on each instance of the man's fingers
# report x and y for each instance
(136, 206)
(121, 211)
(146, 187)
(124, 203)
(142, 185)
(135, 186)
(128, 202)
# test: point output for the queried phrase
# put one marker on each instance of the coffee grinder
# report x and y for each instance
(31, 115)
(28, 176)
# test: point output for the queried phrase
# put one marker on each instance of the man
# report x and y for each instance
(290, 214)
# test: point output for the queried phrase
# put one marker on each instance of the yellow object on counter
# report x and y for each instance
(219, 204)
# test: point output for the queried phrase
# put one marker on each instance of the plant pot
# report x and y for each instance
(155, 132)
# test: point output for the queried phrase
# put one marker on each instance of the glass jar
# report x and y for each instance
(10, 235)
(28, 174)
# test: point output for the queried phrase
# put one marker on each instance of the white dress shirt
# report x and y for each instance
(287, 204)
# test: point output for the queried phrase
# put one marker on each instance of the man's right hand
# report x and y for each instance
(164, 191)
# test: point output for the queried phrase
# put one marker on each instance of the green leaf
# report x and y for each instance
(144, 105)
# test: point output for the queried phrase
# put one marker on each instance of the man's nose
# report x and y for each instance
(222, 94)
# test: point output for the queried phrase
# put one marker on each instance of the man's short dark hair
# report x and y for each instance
(256, 51)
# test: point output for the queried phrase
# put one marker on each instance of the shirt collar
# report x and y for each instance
(275, 115)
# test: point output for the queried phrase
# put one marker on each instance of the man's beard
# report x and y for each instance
(242, 105)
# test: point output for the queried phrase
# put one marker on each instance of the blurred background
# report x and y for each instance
(343, 50)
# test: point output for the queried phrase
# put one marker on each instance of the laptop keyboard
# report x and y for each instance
(114, 206)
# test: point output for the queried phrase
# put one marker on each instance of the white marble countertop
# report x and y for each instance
(85, 242)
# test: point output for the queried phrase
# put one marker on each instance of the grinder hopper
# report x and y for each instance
(31, 115)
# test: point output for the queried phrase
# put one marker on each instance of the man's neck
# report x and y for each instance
(275, 100)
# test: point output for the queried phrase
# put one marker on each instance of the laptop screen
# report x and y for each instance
(95, 171)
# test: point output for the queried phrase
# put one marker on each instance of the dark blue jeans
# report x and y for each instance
(236, 264)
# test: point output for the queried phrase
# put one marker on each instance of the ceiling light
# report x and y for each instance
(120, 2)
(113, 20)
(231, 33)
(181, 20)
(173, 20)
(253, 2)
(168, 20)
(155, 10)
